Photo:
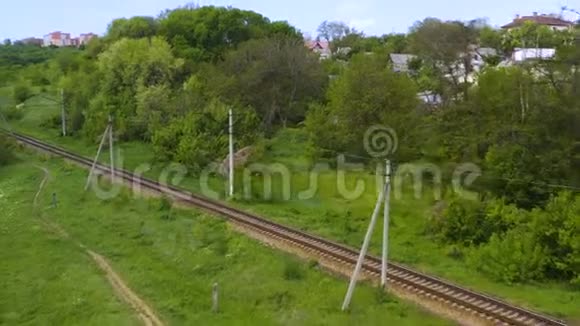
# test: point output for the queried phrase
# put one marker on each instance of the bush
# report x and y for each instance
(461, 223)
(165, 204)
(6, 150)
(53, 122)
(513, 257)
(537, 245)
(293, 271)
(22, 92)
(12, 113)
(473, 223)
(557, 229)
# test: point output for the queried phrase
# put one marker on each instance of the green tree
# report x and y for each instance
(125, 69)
(446, 48)
(135, 27)
(278, 77)
(396, 43)
(200, 137)
(207, 33)
(368, 93)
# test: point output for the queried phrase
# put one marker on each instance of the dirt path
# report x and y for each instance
(145, 313)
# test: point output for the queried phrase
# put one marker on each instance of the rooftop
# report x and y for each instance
(549, 20)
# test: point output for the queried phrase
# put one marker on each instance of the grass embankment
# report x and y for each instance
(330, 215)
(170, 258)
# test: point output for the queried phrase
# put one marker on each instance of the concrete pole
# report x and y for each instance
(96, 158)
(63, 113)
(111, 151)
(386, 224)
(363, 253)
(231, 163)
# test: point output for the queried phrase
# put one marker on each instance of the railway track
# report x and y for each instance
(494, 311)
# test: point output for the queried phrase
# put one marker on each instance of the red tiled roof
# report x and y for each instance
(317, 44)
(541, 20)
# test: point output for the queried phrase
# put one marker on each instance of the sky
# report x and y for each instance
(27, 18)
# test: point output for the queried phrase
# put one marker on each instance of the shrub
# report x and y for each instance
(22, 92)
(557, 229)
(513, 257)
(164, 204)
(461, 223)
(473, 223)
(12, 113)
(293, 271)
(55, 121)
(6, 150)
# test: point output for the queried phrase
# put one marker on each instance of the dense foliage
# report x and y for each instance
(515, 245)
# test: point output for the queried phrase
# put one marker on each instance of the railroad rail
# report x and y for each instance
(456, 297)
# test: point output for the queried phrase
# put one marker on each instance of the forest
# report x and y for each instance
(169, 81)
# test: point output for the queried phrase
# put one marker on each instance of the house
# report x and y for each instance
(343, 51)
(401, 61)
(85, 38)
(57, 39)
(521, 55)
(554, 22)
(430, 98)
(320, 47)
(64, 39)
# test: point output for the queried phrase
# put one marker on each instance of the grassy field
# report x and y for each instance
(169, 257)
(44, 279)
(330, 215)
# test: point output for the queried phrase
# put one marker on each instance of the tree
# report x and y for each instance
(207, 33)
(490, 37)
(135, 27)
(127, 68)
(446, 48)
(7, 42)
(200, 137)
(334, 30)
(368, 93)
(396, 43)
(277, 76)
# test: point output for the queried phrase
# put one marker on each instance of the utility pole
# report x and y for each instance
(363, 252)
(107, 134)
(231, 157)
(386, 223)
(111, 151)
(63, 113)
(97, 157)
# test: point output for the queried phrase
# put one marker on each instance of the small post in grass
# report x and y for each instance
(215, 298)
(54, 201)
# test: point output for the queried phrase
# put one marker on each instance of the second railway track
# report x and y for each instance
(486, 307)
